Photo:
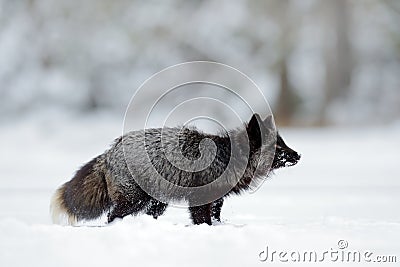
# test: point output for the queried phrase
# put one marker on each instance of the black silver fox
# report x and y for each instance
(109, 183)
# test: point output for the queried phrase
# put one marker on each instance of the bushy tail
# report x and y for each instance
(85, 197)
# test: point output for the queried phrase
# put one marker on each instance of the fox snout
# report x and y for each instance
(284, 155)
(292, 157)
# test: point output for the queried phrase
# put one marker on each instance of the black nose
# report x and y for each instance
(295, 157)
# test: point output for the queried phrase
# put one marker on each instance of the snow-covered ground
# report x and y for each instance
(346, 187)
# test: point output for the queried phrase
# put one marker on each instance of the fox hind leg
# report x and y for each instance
(216, 209)
(156, 208)
(124, 207)
(201, 214)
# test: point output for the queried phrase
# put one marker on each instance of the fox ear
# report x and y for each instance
(268, 122)
(254, 131)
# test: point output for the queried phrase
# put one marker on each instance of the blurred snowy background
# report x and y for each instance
(330, 70)
(318, 62)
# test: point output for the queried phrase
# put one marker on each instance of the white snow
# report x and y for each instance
(345, 187)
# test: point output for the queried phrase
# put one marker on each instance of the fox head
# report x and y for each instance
(284, 155)
(260, 133)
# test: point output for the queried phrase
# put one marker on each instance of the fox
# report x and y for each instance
(122, 181)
